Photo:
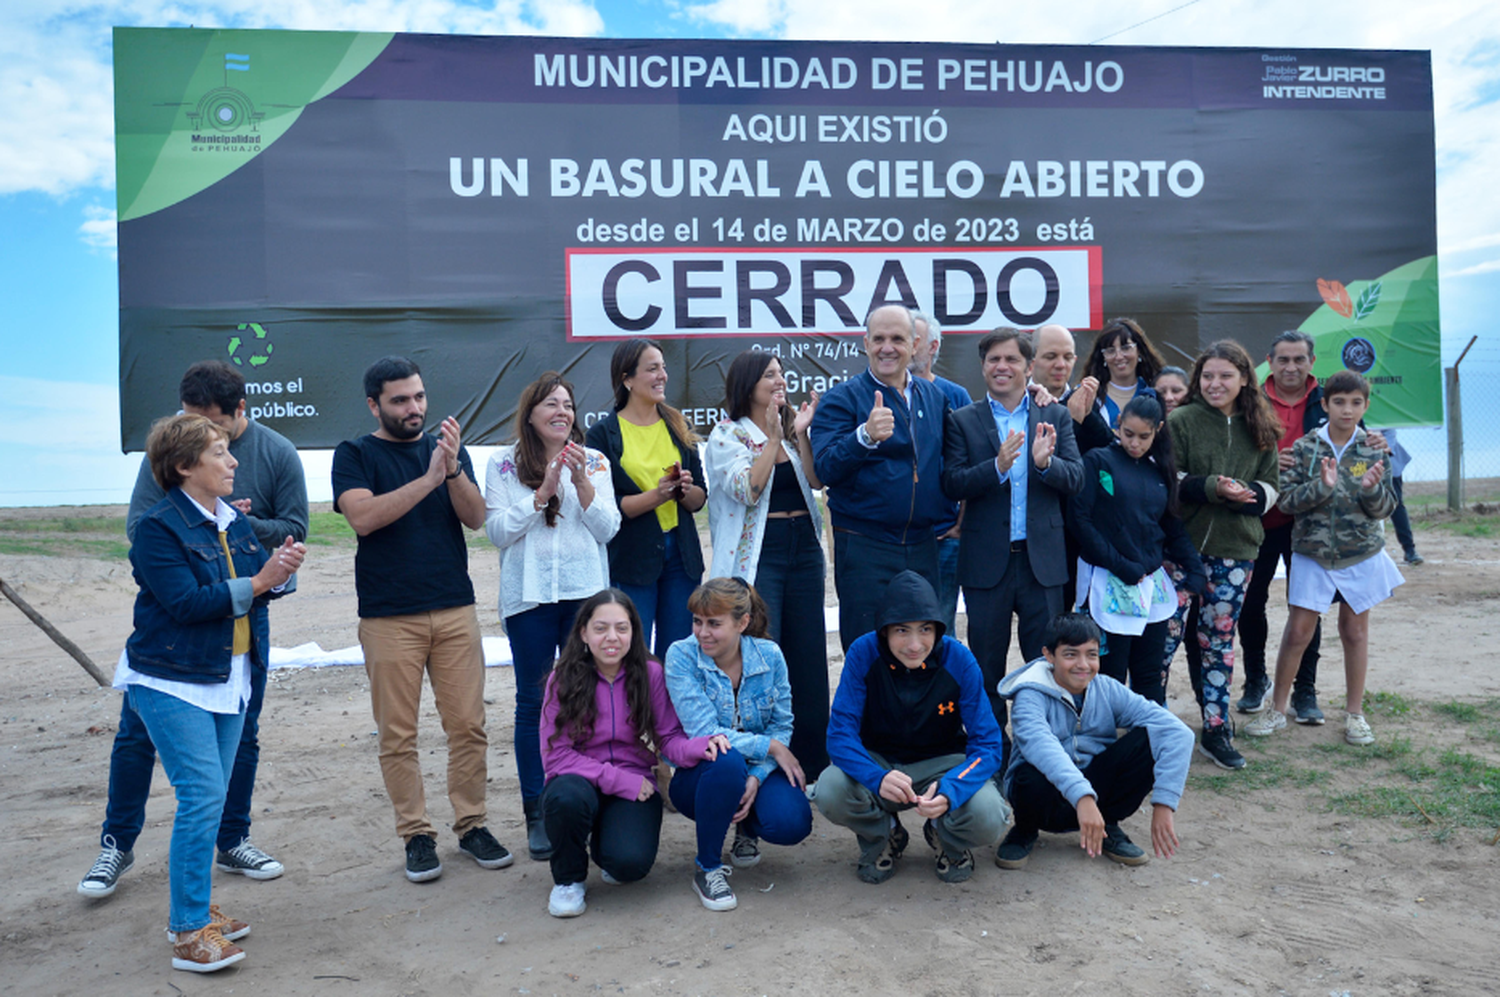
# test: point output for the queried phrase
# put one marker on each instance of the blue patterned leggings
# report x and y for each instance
(1227, 581)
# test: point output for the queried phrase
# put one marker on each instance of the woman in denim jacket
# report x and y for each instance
(201, 613)
(729, 679)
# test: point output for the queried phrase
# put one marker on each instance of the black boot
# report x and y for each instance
(536, 831)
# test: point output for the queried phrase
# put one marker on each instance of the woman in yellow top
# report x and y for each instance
(655, 558)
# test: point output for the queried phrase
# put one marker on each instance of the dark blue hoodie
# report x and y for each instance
(911, 714)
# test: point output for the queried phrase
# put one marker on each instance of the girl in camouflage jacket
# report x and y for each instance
(1339, 489)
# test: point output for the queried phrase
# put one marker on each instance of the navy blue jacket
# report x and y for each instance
(892, 492)
(185, 611)
(1121, 522)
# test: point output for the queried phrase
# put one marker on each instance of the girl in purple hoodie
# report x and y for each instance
(603, 693)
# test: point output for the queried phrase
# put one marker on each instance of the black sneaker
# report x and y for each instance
(1305, 707)
(878, 863)
(247, 860)
(422, 863)
(1119, 848)
(1015, 849)
(481, 845)
(1217, 744)
(1257, 693)
(1413, 558)
(712, 887)
(107, 870)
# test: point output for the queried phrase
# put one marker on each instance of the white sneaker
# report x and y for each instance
(1266, 723)
(608, 879)
(567, 901)
(1357, 730)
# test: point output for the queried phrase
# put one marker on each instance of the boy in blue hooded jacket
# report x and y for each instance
(911, 727)
(1069, 771)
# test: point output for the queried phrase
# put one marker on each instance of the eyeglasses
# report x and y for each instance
(1124, 349)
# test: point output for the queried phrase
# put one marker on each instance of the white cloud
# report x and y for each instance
(1488, 266)
(57, 84)
(98, 229)
(741, 17)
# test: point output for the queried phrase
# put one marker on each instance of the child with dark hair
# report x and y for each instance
(912, 728)
(730, 679)
(1126, 522)
(1069, 770)
(605, 716)
(1338, 487)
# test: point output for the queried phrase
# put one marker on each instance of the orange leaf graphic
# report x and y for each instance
(1337, 298)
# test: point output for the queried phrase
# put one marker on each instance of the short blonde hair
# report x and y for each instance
(177, 442)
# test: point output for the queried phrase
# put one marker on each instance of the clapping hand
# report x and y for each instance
(1043, 445)
(1081, 401)
(1009, 450)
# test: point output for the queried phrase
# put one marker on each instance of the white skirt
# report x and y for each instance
(1119, 608)
(1364, 585)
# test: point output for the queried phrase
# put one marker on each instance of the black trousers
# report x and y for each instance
(789, 577)
(1254, 629)
(1122, 775)
(862, 568)
(990, 611)
(1136, 660)
(625, 833)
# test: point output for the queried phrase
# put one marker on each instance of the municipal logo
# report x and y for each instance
(1358, 355)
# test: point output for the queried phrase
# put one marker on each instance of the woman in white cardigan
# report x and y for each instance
(551, 511)
(767, 529)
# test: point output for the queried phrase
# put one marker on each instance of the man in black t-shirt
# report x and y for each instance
(408, 495)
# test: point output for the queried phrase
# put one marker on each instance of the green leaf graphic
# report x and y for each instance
(1106, 481)
(1368, 299)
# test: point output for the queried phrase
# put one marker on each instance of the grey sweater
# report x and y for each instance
(269, 475)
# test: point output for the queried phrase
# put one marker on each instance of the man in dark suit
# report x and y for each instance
(1015, 463)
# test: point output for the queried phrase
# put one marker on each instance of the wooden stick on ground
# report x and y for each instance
(57, 636)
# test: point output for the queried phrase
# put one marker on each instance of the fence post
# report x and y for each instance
(1455, 421)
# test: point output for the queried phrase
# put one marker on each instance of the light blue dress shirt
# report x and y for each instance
(1007, 422)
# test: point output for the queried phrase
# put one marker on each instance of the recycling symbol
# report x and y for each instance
(255, 350)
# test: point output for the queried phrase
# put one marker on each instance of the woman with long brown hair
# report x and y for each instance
(1224, 438)
(605, 717)
(767, 529)
(655, 557)
(550, 508)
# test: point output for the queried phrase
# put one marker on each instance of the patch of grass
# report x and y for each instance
(66, 524)
(1464, 713)
(1458, 790)
(1263, 772)
(1464, 524)
(1387, 704)
(99, 537)
(329, 528)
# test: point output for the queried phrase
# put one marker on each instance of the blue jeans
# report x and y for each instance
(133, 758)
(197, 751)
(536, 636)
(709, 793)
(664, 603)
(790, 577)
(947, 589)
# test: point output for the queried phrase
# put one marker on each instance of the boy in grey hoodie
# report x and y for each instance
(1069, 771)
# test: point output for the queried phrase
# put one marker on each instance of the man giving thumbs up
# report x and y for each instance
(877, 444)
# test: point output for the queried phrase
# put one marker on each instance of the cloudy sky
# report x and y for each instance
(58, 288)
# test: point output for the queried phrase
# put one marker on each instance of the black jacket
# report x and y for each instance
(1121, 522)
(636, 552)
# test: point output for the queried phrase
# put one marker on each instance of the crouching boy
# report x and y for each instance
(1069, 771)
(911, 727)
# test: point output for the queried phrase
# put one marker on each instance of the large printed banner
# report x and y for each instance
(302, 203)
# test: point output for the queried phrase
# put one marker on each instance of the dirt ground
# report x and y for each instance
(1275, 890)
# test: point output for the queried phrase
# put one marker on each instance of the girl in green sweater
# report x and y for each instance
(1224, 437)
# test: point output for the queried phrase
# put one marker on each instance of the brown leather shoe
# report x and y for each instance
(231, 929)
(204, 951)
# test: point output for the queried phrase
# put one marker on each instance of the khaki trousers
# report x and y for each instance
(445, 644)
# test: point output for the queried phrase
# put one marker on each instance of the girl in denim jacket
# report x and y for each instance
(728, 679)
